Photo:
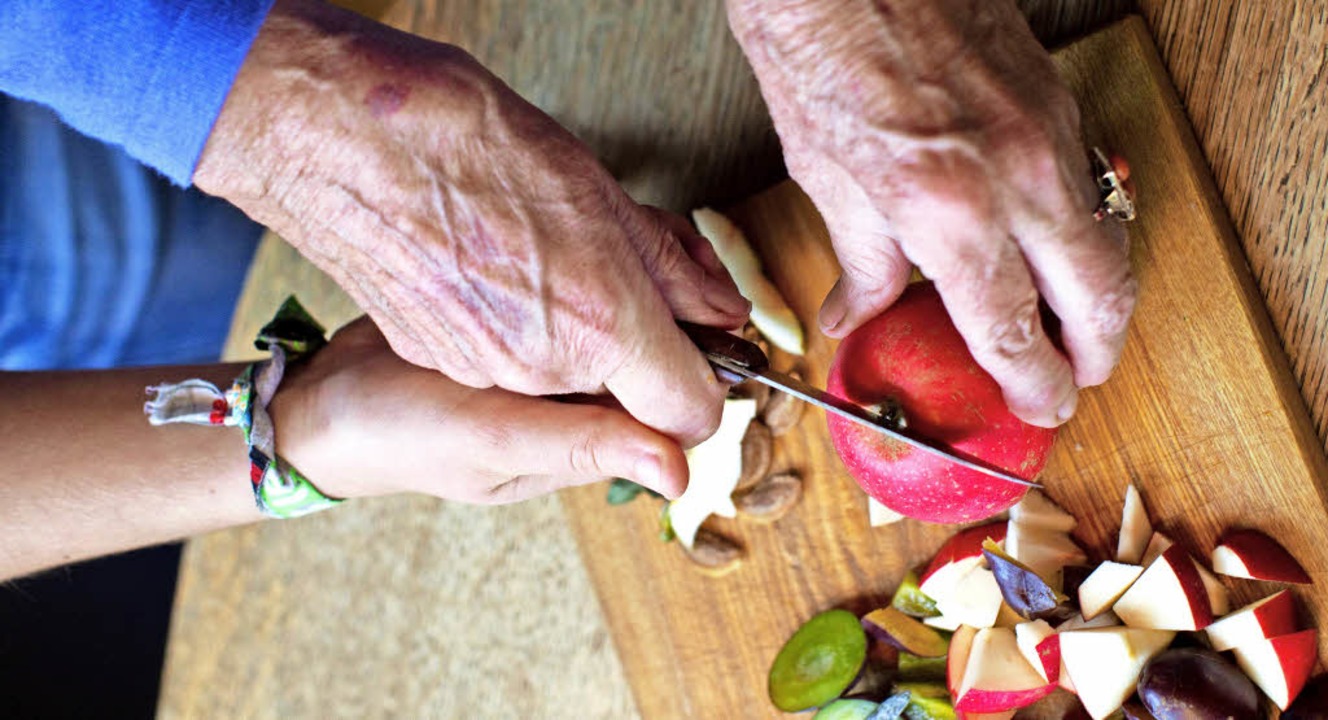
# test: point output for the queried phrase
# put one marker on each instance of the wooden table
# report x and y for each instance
(409, 607)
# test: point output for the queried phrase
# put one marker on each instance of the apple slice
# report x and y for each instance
(1157, 545)
(891, 626)
(941, 622)
(1136, 530)
(1037, 510)
(961, 553)
(1105, 586)
(997, 677)
(1040, 647)
(956, 659)
(1044, 551)
(1218, 597)
(1106, 619)
(1104, 663)
(1251, 554)
(1268, 618)
(1169, 595)
(976, 599)
(1280, 665)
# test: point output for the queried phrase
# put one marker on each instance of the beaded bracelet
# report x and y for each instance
(280, 490)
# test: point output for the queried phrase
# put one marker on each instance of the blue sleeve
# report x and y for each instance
(149, 75)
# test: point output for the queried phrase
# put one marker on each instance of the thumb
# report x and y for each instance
(874, 270)
(564, 444)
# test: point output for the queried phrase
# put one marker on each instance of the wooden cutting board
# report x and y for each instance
(1202, 414)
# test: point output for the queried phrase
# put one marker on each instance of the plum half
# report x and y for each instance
(1196, 684)
(819, 662)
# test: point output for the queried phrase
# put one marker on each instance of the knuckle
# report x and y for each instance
(1109, 315)
(1017, 333)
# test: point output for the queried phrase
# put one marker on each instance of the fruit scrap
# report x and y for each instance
(770, 313)
(714, 552)
(715, 466)
(819, 662)
(894, 627)
(758, 451)
(1252, 554)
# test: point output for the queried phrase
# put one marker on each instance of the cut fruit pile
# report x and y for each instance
(1009, 614)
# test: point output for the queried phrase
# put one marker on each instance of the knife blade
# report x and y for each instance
(735, 358)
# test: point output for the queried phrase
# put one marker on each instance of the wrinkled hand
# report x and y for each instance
(359, 421)
(937, 134)
(483, 238)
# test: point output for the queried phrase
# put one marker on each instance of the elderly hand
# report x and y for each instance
(360, 421)
(936, 133)
(483, 238)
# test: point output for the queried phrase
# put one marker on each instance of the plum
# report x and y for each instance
(1196, 684)
(819, 662)
(1024, 590)
(915, 668)
(910, 600)
(894, 627)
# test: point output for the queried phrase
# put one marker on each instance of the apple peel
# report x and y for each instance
(770, 312)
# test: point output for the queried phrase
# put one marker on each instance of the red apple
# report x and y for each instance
(1251, 554)
(1170, 595)
(912, 357)
(997, 677)
(1281, 665)
(1136, 530)
(1105, 663)
(1270, 617)
(961, 553)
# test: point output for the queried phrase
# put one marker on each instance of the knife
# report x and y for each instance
(735, 359)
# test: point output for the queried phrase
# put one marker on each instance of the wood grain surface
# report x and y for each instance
(284, 620)
(1254, 78)
(1203, 415)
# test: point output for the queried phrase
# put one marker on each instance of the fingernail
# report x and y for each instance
(646, 472)
(833, 309)
(1068, 406)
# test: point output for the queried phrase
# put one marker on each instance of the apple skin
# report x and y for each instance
(913, 356)
(1251, 554)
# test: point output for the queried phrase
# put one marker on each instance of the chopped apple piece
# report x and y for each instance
(1218, 597)
(1157, 545)
(1268, 618)
(976, 599)
(715, 466)
(1106, 619)
(770, 313)
(1037, 510)
(997, 677)
(1136, 530)
(879, 515)
(1105, 586)
(1252, 554)
(1169, 595)
(956, 659)
(961, 553)
(1040, 647)
(1281, 665)
(891, 626)
(1044, 551)
(1104, 663)
(941, 622)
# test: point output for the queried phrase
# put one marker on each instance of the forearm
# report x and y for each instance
(86, 475)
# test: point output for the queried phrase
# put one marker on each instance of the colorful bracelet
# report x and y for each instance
(280, 490)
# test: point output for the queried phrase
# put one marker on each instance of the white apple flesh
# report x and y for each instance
(1105, 586)
(1039, 645)
(1104, 663)
(1252, 554)
(1037, 510)
(1280, 665)
(1136, 529)
(976, 599)
(1270, 617)
(997, 677)
(1169, 595)
(1044, 551)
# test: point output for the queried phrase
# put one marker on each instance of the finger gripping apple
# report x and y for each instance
(912, 356)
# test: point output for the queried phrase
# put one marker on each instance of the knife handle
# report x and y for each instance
(715, 342)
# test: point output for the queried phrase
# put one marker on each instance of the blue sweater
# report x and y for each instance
(149, 75)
